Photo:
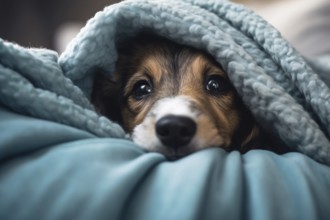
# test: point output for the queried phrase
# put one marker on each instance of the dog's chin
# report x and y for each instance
(174, 157)
(170, 153)
(179, 153)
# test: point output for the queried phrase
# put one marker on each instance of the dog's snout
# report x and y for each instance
(175, 131)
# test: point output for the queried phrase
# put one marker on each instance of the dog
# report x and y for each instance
(174, 99)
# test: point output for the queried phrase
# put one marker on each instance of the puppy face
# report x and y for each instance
(173, 99)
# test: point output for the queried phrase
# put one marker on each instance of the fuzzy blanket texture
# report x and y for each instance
(283, 90)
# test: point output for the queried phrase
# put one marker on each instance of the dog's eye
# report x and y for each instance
(217, 85)
(141, 89)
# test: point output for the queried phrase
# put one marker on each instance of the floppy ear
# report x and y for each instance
(106, 96)
(247, 135)
(251, 136)
(258, 139)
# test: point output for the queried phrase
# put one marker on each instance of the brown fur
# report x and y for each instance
(173, 70)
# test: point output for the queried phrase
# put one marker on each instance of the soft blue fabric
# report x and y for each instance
(67, 173)
(60, 160)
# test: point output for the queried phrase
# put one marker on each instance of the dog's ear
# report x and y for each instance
(250, 136)
(106, 95)
(258, 139)
(247, 135)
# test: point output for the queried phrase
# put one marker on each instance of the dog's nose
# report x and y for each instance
(175, 131)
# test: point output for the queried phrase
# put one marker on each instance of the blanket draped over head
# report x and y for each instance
(284, 93)
(45, 108)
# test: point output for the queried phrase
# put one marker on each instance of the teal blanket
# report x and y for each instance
(59, 159)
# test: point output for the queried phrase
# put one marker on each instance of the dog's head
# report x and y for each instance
(173, 99)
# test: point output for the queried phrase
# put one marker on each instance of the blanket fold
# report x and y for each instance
(33, 83)
(284, 93)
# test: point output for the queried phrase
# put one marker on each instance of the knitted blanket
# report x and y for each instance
(285, 94)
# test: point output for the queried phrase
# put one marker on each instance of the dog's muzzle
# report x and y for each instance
(175, 127)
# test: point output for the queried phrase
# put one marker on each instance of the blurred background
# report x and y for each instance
(53, 23)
